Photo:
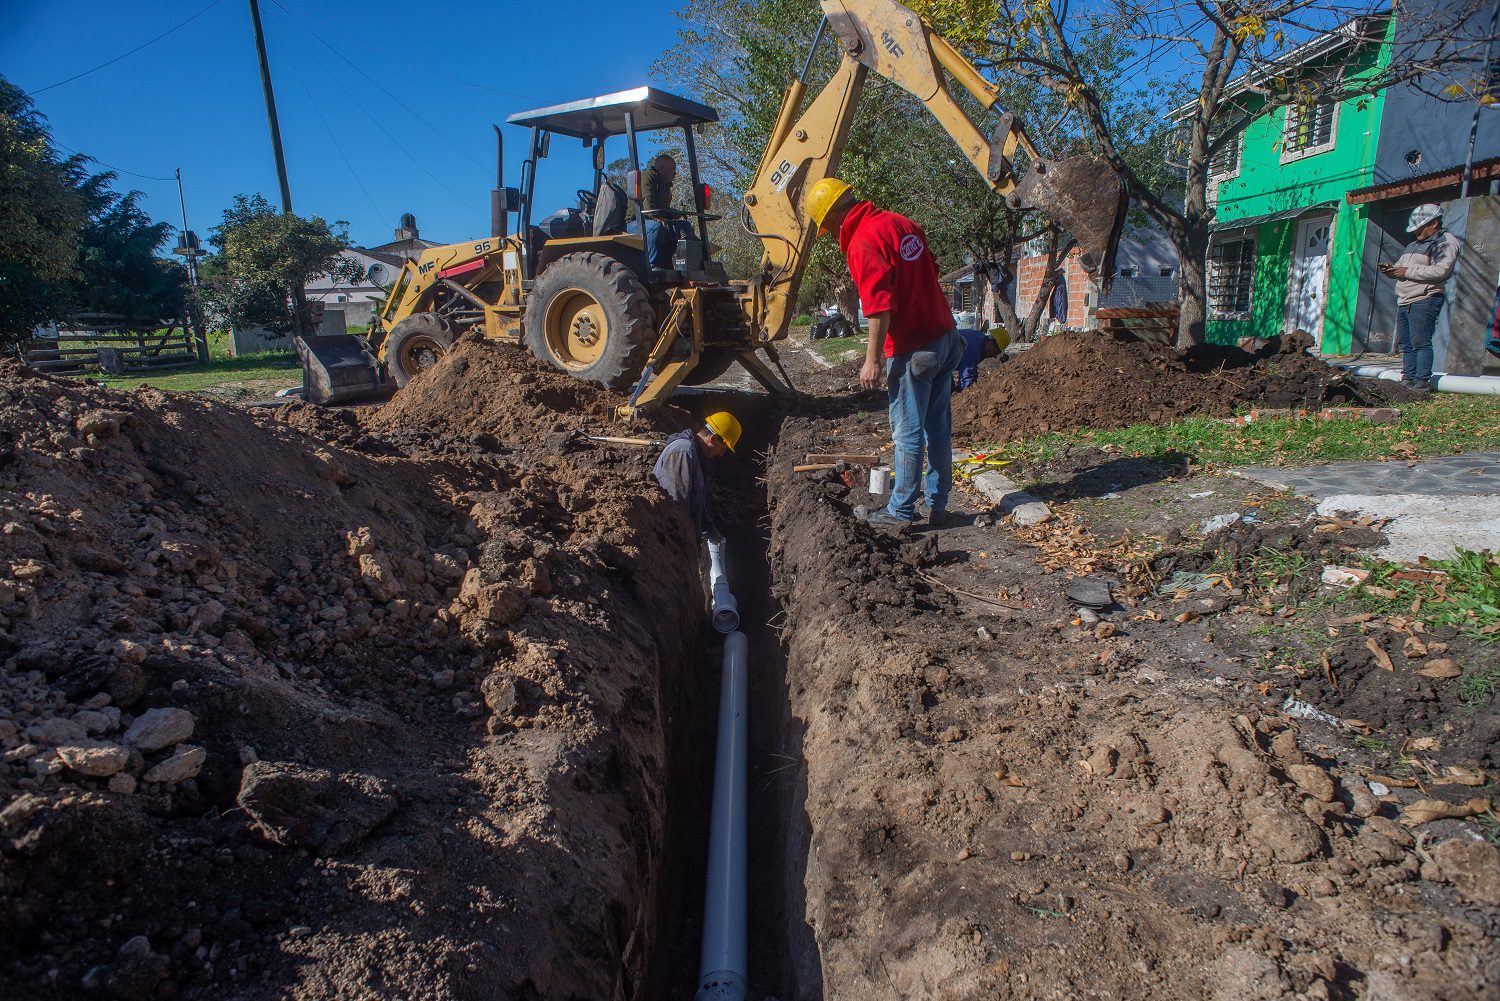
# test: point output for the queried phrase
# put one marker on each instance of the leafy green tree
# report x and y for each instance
(118, 268)
(263, 256)
(41, 212)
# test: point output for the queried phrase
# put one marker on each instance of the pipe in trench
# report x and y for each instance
(1475, 385)
(722, 965)
(726, 614)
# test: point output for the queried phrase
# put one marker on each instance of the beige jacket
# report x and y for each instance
(1428, 264)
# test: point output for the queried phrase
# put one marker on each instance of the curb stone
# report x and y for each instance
(1023, 508)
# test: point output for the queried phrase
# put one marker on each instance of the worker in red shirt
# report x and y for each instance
(911, 323)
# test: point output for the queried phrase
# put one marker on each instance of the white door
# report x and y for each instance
(1307, 285)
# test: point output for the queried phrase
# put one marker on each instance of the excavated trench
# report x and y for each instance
(461, 657)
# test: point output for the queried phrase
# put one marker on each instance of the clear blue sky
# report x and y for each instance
(193, 100)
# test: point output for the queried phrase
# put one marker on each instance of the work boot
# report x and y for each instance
(939, 519)
(881, 518)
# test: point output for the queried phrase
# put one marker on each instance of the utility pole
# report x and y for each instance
(298, 300)
(192, 316)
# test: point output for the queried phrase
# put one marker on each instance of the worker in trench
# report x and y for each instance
(912, 325)
(680, 468)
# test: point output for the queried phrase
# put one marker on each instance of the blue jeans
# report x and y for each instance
(1414, 327)
(919, 389)
(661, 241)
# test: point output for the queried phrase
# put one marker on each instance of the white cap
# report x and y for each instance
(1422, 215)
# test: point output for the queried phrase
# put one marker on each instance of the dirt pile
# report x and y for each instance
(1086, 379)
(1001, 802)
(284, 718)
(497, 396)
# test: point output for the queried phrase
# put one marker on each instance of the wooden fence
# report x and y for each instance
(118, 345)
(1155, 322)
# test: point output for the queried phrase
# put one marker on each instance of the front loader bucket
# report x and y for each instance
(338, 369)
(1087, 198)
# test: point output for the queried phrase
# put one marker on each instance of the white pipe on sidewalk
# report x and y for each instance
(726, 610)
(1475, 385)
(722, 966)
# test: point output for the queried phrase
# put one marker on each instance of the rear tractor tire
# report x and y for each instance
(590, 316)
(416, 344)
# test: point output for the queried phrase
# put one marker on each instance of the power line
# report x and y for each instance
(394, 141)
(291, 60)
(430, 72)
(118, 170)
(381, 87)
(164, 34)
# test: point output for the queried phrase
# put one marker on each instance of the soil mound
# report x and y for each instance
(1087, 379)
(489, 392)
(282, 718)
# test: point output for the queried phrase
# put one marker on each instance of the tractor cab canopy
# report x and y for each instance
(601, 117)
(606, 206)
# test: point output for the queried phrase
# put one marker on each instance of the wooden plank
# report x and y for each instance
(815, 458)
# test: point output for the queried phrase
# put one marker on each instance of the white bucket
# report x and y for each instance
(880, 481)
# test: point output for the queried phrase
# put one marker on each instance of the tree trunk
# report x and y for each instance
(846, 297)
(1193, 287)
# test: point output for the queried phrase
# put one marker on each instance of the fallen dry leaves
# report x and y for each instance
(1381, 657)
(1425, 811)
(1444, 668)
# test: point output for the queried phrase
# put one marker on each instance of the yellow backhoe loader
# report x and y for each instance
(578, 287)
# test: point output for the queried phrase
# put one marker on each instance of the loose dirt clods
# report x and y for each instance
(1085, 379)
(289, 713)
(395, 702)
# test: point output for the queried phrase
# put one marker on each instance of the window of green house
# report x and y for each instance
(1309, 130)
(1231, 270)
(1226, 162)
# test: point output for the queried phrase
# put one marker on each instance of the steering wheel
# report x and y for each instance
(586, 200)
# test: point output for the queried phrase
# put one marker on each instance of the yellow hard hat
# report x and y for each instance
(1001, 337)
(725, 426)
(822, 196)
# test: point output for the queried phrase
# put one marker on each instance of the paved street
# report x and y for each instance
(1434, 504)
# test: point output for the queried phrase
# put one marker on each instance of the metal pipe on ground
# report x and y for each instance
(722, 967)
(726, 611)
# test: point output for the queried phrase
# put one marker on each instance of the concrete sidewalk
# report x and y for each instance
(1435, 505)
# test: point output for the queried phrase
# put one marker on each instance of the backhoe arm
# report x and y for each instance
(1083, 195)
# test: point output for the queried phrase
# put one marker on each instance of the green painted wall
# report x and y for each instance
(1265, 185)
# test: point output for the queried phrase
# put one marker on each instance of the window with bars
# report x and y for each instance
(1231, 271)
(1227, 159)
(1308, 130)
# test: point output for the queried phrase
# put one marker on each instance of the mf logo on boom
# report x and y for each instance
(891, 45)
(911, 247)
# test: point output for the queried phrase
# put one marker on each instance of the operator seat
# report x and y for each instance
(609, 209)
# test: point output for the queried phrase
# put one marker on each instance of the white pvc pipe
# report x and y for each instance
(1475, 385)
(726, 610)
(723, 966)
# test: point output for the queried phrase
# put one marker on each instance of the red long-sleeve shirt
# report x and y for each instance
(895, 272)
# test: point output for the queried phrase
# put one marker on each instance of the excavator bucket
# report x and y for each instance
(1087, 198)
(338, 369)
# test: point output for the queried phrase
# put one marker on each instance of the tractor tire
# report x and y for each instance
(416, 344)
(712, 363)
(590, 316)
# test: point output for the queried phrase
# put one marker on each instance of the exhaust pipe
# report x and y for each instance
(722, 966)
(726, 612)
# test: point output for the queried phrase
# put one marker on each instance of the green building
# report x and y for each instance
(1286, 248)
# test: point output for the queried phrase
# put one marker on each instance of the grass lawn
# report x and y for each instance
(1444, 424)
(254, 376)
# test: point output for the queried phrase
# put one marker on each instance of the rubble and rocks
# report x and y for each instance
(237, 643)
(296, 806)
